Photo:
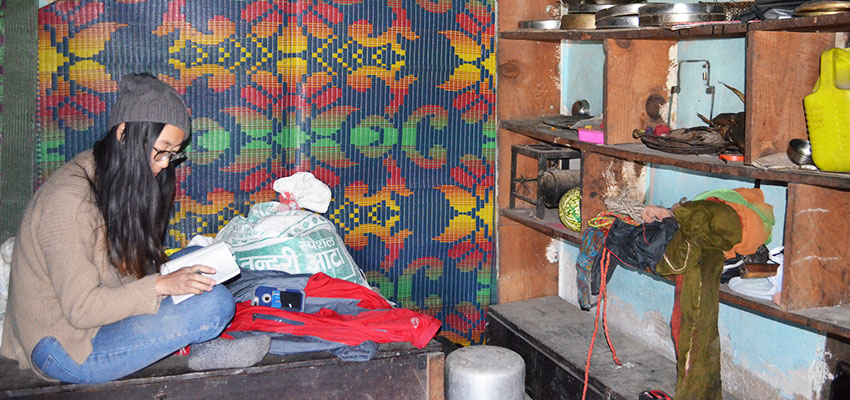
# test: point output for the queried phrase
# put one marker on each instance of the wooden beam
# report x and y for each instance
(550, 225)
(696, 32)
(436, 376)
(706, 163)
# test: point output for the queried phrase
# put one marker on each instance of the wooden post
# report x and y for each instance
(817, 220)
(528, 87)
(436, 376)
(782, 67)
(635, 86)
(603, 176)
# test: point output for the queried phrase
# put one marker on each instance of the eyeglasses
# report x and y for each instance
(173, 157)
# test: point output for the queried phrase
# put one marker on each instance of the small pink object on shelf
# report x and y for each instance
(590, 135)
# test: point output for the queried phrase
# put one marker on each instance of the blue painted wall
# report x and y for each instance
(726, 60)
(667, 185)
(584, 62)
(761, 358)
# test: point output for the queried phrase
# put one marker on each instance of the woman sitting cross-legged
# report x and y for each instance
(86, 303)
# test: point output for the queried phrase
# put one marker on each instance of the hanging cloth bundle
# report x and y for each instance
(601, 225)
(695, 255)
(634, 245)
(587, 262)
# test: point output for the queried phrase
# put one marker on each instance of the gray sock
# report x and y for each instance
(225, 353)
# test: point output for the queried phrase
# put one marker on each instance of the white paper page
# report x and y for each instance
(216, 255)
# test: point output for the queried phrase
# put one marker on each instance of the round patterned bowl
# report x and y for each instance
(569, 209)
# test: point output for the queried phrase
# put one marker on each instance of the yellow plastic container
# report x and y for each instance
(828, 112)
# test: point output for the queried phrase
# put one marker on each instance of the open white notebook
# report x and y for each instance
(216, 255)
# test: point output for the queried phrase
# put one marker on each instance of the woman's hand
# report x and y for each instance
(186, 280)
(654, 213)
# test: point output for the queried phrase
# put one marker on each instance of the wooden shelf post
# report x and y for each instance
(528, 85)
(782, 67)
(603, 177)
(817, 255)
(635, 85)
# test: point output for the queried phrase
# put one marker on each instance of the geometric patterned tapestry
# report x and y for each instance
(389, 102)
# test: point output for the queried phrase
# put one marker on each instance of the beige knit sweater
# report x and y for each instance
(62, 284)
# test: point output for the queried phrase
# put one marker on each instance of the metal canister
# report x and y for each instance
(555, 182)
(485, 372)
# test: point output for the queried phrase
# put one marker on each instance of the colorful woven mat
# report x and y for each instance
(389, 103)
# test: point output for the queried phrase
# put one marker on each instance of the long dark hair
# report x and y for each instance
(134, 203)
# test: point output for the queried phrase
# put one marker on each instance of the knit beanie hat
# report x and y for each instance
(144, 98)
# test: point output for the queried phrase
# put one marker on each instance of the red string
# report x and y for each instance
(603, 290)
(603, 298)
(606, 218)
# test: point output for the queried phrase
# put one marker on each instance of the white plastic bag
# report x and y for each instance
(5, 269)
(303, 190)
(274, 237)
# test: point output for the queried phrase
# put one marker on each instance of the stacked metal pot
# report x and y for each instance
(614, 14)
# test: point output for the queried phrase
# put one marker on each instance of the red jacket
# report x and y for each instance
(381, 323)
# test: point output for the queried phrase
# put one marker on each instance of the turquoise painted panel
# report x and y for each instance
(725, 60)
(567, 289)
(582, 78)
(785, 357)
(761, 342)
(667, 185)
(756, 337)
(647, 295)
(581, 74)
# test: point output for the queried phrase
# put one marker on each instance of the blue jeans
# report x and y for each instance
(133, 343)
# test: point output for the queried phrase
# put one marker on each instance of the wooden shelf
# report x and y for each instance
(553, 337)
(705, 163)
(415, 373)
(824, 23)
(634, 80)
(696, 32)
(834, 320)
(549, 225)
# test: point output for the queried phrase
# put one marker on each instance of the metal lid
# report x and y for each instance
(682, 8)
(822, 8)
(622, 21)
(673, 19)
(618, 11)
(540, 24)
(573, 3)
(588, 8)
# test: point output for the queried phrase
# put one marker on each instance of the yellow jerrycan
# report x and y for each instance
(828, 112)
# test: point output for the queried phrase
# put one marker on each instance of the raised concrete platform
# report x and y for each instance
(553, 336)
